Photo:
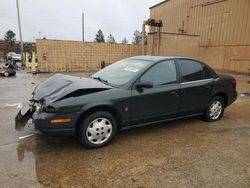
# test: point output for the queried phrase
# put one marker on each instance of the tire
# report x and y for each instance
(97, 130)
(215, 109)
(6, 74)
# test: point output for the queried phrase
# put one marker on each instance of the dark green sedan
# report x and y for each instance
(129, 93)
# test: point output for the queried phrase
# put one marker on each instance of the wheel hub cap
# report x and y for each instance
(99, 130)
(215, 110)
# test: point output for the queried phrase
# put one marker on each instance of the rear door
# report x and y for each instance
(160, 101)
(196, 86)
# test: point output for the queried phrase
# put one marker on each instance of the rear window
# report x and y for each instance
(207, 73)
(191, 70)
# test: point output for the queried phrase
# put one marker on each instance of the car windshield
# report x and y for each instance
(121, 72)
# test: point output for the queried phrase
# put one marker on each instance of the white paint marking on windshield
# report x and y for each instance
(131, 69)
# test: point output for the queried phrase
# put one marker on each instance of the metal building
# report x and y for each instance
(215, 31)
(218, 22)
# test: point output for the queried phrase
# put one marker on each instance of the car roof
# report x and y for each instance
(158, 58)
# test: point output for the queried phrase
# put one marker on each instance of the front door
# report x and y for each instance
(162, 100)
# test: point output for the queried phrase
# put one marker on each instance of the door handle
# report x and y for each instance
(207, 87)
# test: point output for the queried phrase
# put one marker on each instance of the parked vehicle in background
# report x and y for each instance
(8, 70)
(16, 58)
(18, 65)
(132, 92)
(10, 55)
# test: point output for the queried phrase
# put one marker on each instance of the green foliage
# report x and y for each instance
(111, 39)
(137, 38)
(124, 41)
(10, 37)
(99, 36)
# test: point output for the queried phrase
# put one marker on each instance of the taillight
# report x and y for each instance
(234, 83)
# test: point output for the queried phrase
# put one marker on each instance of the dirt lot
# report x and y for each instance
(184, 153)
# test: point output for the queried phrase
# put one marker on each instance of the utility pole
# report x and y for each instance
(143, 37)
(19, 26)
(83, 27)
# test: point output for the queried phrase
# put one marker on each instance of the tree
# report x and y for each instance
(111, 39)
(137, 38)
(99, 36)
(124, 41)
(10, 37)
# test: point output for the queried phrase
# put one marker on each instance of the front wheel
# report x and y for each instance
(97, 130)
(215, 109)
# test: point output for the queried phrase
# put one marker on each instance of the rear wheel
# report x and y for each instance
(97, 130)
(215, 109)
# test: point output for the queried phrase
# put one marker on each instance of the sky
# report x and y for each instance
(62, 19)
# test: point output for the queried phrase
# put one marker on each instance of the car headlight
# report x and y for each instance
(39, 108)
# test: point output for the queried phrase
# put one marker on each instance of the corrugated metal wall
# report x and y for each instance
(173, 44)
(218, 22)
(231, 58)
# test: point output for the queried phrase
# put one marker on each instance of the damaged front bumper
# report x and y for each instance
(21, 120)
(42, 120)
(24, 115)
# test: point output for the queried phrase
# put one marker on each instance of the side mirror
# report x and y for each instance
(144, 84)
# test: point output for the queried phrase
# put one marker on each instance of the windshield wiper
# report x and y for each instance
(101, 80)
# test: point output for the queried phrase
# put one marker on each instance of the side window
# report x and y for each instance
(207, 73)
(162, 73)
(191, 70)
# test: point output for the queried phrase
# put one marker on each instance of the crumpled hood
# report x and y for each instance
(59, 85)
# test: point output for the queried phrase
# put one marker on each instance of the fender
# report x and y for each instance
(108, 106)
